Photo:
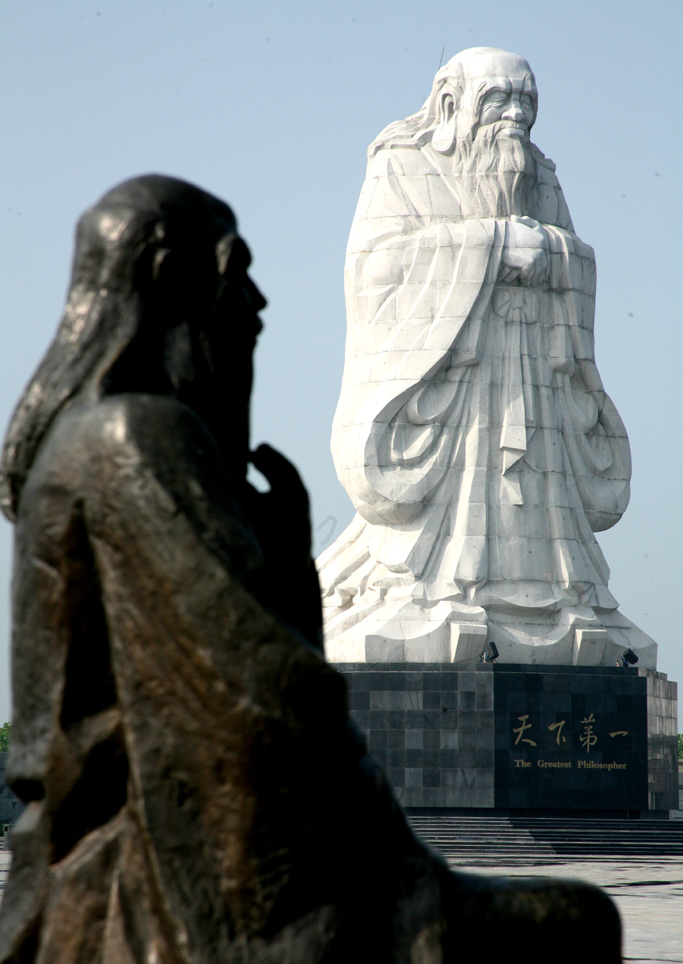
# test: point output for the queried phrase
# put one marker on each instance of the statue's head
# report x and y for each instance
(482, 90)
(160, 302)
(477, 120)
(476, 89)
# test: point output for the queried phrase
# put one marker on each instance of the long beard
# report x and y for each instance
(496, 174)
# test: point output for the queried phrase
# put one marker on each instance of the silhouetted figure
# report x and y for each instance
(195, 792)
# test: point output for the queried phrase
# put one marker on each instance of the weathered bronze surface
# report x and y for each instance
(195, 791)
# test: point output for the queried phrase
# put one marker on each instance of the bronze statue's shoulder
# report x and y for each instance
(118, 419)
(88, 440)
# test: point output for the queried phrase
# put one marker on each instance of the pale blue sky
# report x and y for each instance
(271, 105)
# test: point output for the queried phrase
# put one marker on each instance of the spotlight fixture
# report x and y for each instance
(628, 658)
(489, 653)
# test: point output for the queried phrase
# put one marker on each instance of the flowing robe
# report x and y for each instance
(473, 433)
(187, 759)
(185, 756)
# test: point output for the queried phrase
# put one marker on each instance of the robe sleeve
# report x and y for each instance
(596, 442)
(417, 289)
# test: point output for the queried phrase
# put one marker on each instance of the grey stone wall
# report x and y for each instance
(662, 742)
(10, 806)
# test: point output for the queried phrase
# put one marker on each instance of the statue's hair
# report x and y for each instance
(117, 242)
(419, 128)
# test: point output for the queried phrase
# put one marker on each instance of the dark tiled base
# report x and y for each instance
(575, 740)
(430, 728)
(514, 737)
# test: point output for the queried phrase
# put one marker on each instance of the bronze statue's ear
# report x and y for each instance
(224, 248)
(161, 253)
(443, 139)
(159, 257)
(171, 292)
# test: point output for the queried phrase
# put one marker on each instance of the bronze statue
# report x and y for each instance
(195, 792)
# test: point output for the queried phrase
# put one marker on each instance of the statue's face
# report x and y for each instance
(209, 355)
(500, 89)
(236, 292)
(233, 323)
(212, 307)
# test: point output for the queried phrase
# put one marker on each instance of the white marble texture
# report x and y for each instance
(473, 433)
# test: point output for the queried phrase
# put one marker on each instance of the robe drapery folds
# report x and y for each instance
(473, 433)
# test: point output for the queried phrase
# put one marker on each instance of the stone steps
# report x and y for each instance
(541, 836)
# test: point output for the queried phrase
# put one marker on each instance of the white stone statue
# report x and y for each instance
(473, 433)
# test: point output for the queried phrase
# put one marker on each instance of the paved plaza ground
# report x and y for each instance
(648, 892)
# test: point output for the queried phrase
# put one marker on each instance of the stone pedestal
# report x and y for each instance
(512, 737)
